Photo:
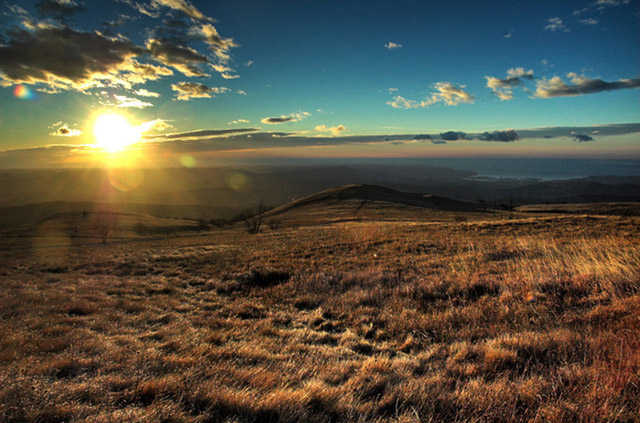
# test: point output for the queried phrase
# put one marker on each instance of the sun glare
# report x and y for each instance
(114, 133)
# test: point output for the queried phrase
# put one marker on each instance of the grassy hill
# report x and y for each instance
(19, 216)
(373, 203)
(524, 319)
(618, 209)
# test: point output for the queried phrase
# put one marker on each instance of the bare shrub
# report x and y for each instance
(254, 218)
(274, 224)
(103, 224)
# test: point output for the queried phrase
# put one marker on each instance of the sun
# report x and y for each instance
(114, 133)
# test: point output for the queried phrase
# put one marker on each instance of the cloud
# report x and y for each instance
(60, 58)
(392, 46)
(500, 136)
(58, 8)
(580, 84)
(600, 5)
(446, 92)
(188, 90)
(589, 21)
(158, 125)
(177, 55)
(160, 147)
(196, 135)
(555, 24)
(217, 45)
(63, 130)
(145, 93)
(170, 43)
(581, 137)
(453, 136)
(503, 88)
(335, 130)
(237, 121)
(128, 102)
(182, 6)
(422, 137)
(294, 117)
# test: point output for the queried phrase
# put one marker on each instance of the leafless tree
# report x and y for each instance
(274, 224)
(254, 218)
(104, 223)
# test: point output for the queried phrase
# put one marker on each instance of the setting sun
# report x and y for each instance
(114, 133)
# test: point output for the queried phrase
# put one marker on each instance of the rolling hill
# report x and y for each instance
(371, 202)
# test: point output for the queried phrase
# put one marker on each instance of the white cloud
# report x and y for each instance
(145, 93)
(335, 130)
(128, 102)
(446, 92)
(600, 5)
(555, 24)
(237, 121)
(503, 88)
(391, 46)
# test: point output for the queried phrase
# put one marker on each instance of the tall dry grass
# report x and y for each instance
(524, 320)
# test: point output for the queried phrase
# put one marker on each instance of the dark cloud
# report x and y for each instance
(58, 8)
(568, 131)
(556, 87)
(278, 119)
(58, 57)
(170, 44)
(183, 58)
(200, 134)
(63, 58)
(188, 90)
(63, 130)
(582, 137)
(294, 117)
(423, 137)
(500, 136)
(453, 136)
(216, 140)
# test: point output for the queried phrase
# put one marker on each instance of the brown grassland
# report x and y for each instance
(530, 319)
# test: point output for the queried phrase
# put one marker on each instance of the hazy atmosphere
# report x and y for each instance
(175, 83)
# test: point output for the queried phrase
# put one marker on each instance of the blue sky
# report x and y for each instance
(326, 68)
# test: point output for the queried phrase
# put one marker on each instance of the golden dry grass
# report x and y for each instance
(533, 319)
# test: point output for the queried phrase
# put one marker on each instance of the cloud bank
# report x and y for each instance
(580, 84)
(251, 139)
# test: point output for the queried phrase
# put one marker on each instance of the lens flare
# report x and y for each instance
(126, 179)
(188, 161)
(238, 182)
(23, 92)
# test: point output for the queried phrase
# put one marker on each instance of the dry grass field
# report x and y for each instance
(531, 319)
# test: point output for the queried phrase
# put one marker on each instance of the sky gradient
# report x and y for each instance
(319, 79)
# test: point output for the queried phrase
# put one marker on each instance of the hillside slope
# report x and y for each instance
(372, 202)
